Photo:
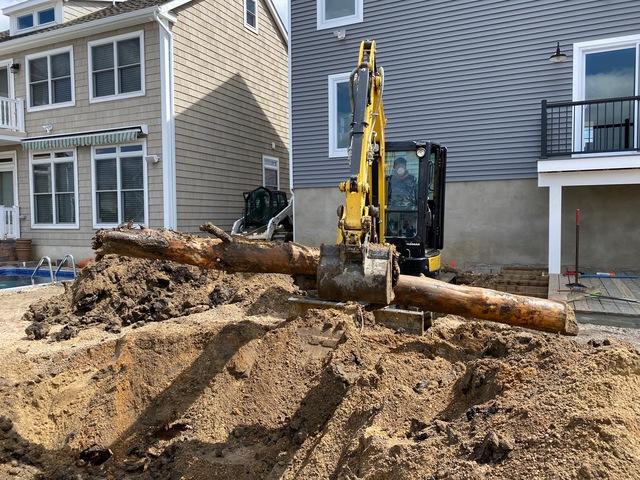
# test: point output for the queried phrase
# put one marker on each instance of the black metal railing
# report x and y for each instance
(589, 126)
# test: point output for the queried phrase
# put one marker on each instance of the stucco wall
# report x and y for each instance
(506, 222)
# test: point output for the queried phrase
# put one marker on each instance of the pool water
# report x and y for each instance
(19, 277)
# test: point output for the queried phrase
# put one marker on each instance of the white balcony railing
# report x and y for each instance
(12, 114)
(9, 222)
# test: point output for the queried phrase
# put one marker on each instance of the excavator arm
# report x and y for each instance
(360, 266)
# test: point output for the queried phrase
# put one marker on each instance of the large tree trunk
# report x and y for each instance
(237, 255)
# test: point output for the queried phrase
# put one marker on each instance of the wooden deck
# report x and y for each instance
(593, 308)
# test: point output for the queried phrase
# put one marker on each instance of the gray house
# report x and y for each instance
(530, 138)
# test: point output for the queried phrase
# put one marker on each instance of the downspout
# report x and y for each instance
(168, 118)
(290, 93)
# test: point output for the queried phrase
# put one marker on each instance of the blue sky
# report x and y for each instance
(4, 21)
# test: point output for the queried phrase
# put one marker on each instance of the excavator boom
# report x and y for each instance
(360, 266)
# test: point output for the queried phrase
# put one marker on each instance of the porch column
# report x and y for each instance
(555, 228)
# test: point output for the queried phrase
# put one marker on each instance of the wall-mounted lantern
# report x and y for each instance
(558, 56)
(15, 68)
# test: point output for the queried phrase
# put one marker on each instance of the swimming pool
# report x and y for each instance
(11, 277)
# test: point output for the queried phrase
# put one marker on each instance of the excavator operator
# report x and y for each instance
(402, 188)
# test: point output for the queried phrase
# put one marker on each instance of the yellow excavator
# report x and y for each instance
(392, 219)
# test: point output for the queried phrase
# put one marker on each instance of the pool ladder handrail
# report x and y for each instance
(40, 263)
(68, 256)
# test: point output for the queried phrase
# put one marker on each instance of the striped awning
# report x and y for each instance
(84, 139)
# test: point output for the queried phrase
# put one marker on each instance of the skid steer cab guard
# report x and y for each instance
(414, 217)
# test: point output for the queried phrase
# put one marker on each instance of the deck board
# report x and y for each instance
(602, 310)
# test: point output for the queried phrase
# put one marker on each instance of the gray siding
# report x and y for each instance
(469, 74)
(231, 107)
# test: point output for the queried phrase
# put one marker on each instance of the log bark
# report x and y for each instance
(237, 255)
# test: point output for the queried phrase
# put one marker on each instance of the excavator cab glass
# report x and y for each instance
(414, 215)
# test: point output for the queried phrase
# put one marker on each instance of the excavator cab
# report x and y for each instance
(415, 187)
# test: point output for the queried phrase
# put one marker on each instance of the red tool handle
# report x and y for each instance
(577, 216)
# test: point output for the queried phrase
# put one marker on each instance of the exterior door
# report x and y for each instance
(609, 122)
(8, 193)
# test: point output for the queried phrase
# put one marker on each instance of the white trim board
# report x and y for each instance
(168, 122)
(333, 80)
(578, 164)
(590, 177)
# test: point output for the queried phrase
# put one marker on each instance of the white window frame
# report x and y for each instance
(580, 51)
(323, 23)
(244, 12)
(13, 22)
(11, 167)
(49, 54)
(7, 64)
(51, 161)
(118, 155)
(334, 80)
(265, 160)
(113, 40)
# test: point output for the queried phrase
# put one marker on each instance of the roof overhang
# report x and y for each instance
(110, 136)
(26, 5)
(94, 27)
(107, 24)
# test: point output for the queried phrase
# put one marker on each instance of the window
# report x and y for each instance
(117, 67)
(606, 73)
(53, 187)
(50, 79)
(38, 18)
(337, 13)
(25, 21)
(339, 115)
(271, 173)
(251, 14)
(46, 16)
(8, 180)
(6, 79)
(119, 185)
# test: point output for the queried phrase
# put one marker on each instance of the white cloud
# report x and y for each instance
(4, 20)
(283, 9)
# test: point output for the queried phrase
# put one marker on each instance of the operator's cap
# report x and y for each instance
(400, 161)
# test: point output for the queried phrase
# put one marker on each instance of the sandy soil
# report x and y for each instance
(245, 391)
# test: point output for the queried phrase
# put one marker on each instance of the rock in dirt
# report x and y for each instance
(68, 332)
(37, 330)
(493, 449)
(96, 455)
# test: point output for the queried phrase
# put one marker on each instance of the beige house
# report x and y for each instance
(160, 112)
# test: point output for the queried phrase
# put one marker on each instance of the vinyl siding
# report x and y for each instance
(231, 95)
(82, 117)
(469, 74)
(72, 10)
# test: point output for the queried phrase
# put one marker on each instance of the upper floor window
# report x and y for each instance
(33, 19)
(339, 115)
(251, 14)
(337, 13)
(117, 67)
(50, 79)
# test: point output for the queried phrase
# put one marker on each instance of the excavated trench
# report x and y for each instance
(243, 390)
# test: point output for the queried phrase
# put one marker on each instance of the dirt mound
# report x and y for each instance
(228, 395)
(119, 291)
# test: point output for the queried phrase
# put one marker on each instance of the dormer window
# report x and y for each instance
(31, 15)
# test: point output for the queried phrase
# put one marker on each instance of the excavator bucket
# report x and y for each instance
(356, 274)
